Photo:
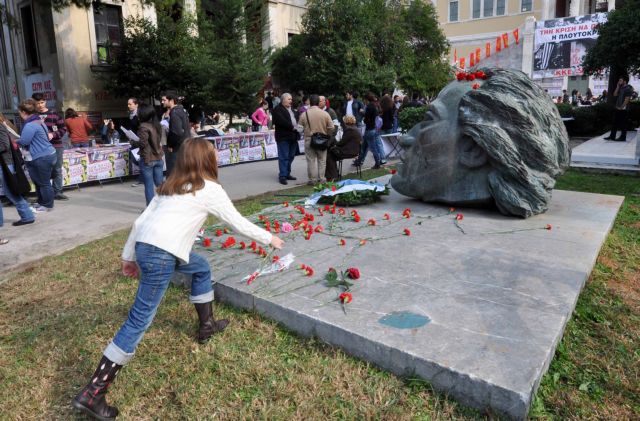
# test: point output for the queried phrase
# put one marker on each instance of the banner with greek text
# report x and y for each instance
(561, 44)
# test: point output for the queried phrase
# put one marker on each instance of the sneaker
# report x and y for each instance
(383, 162)
(21, 222)
(41, 209)
(60, 196)
(136, 184)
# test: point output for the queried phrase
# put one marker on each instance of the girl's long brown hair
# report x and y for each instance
(196, 163)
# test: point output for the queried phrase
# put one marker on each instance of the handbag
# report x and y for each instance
(319, 141)
(17, 183)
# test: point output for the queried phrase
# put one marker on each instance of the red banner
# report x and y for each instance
(487, 50)
(477, 56)
(516, 35)
(505, 40)
(462, 63)
(472, 61)
(498, 44)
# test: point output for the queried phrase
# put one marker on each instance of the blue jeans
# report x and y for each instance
(82, 144)
(22, 206)
(286, 154)
(152, 177)
(371, 141)
(40, 171)
(156, 267)
(56, 172)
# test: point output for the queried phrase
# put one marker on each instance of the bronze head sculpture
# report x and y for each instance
(496, 140)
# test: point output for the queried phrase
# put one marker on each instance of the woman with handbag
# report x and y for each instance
(41, 157)
(11, 171)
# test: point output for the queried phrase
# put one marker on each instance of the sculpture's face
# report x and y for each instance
(440, 164)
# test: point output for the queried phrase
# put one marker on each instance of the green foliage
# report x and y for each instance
(409, 117)
(595, 120)
(366, 45)
(206, 60)
(352, 198)
(618, 41)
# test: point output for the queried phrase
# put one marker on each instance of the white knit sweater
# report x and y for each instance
(172, 222)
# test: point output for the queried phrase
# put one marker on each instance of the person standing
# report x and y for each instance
(353, 106)
(56, 131)
(160, 244)
(133, 125)
(179, 127)
(151, 153)
(287, 136)
(623, 94)
(78, 128)
(42, 156)
(315, 120)
(371, 135)
(7, 146)
(260, 118)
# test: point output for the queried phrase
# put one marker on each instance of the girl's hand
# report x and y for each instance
(277, 242)
(129, 269)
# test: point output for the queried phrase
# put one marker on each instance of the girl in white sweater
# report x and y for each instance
(159, 244)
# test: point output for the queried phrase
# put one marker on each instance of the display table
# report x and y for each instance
(391, 144)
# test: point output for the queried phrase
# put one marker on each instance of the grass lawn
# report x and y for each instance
(57, 316)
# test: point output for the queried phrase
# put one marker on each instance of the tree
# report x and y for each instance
(617, 46)
(364, 45)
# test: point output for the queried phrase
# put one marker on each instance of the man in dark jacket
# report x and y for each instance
(179, 128)
(287, 137)
(353, 106)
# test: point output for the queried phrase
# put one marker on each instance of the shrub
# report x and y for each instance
(409, 117)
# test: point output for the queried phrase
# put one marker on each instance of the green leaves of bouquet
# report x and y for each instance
(341, 279)
(351, 198)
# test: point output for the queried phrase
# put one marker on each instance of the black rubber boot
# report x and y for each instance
(208, 325)
(91, 399)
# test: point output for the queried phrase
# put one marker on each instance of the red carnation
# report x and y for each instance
(406, 213)
(206, 242)
(393, 171)
(346, 297)
(341, 211)
(353, 273)
(342, 242)
(218, 233)
(354, 212)
(406, 231)
(242, 245)
(363, 242)
(326, 207)
(548, 227)
(386, 217)
(356, 217)
(319, 228)
(285, 204)
(226, 230)
(476, 86)
(253, 246)
(308, 270)
(252, 278)
(471, 77)
(371, 221)
(461, 76)
(451, 210)
(333, 188)
(459, 217)
(229, 242)
(480, 74)
(275, 259)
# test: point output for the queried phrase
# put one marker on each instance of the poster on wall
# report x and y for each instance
(43, 84)
(561, 44)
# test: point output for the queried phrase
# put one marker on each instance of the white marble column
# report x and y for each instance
(527, 45)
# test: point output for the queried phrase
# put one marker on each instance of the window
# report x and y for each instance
(487, 8)
(527, 5)
(108, 22)
(29, 35)
(453, 11)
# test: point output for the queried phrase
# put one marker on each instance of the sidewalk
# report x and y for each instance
(96, 211)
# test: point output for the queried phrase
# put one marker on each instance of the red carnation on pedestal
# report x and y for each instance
(471, 77)
(346, 297)
(406, 231)
(461, 76)
(229, 242)
(353, 273)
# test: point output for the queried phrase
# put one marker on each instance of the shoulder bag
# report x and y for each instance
(319, 141)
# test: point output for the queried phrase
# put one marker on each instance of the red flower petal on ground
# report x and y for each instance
(459, 217)
(371, 221)
(252, 278)
(342, 242)
(275, 259)
(346, 297)
(353, 273)
(333, 188)
(548, 227)
(363, 242)
(392, 171)
(218, 233)
(406, 231)
(206, 242)
(476, 86)
(229, 242)
(253, 246)
(242, 245)
(386, 216)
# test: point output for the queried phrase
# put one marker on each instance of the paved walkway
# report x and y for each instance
(95, 212)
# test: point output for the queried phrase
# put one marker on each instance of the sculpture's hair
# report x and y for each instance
(521, 131)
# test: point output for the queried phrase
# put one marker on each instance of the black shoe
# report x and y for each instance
(609, 138)
(60, 196)
(208, 326)
(621, 139)
(18, 223)
(283, 181)
(376, 167)
(290, 177)
(92, 398)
